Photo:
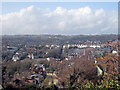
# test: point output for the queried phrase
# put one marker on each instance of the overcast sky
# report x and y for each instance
(59, 18)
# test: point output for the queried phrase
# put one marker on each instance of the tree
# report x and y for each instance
(81, 70)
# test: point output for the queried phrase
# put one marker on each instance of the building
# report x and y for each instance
(15, 58)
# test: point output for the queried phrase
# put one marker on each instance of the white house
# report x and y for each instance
(15, 58)
(114, 52)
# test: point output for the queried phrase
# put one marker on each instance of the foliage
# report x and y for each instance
(52, 87)
(107, 82)
(53, 53)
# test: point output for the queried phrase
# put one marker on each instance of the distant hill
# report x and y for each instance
(55, 39)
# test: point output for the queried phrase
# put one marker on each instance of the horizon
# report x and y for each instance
(57, 34)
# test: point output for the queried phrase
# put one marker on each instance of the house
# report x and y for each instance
(12, 49)
(98, 53)
(66, 59)
(94, 46)
(99, 70)
(107, 50)
(31, 56)
(47, 46)
(42, 66)
(36, 57)
(36, 79)
(114, 52)
(48, 59)
(17, 53)
(15, 58)
(38, 67)
(30, 81)
(70, 57)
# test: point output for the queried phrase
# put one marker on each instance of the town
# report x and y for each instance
(59, 61)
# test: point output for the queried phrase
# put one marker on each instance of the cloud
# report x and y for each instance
(32, 20)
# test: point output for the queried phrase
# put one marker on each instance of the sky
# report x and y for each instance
(67, 18)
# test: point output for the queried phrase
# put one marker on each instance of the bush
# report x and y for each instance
(52, 87)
